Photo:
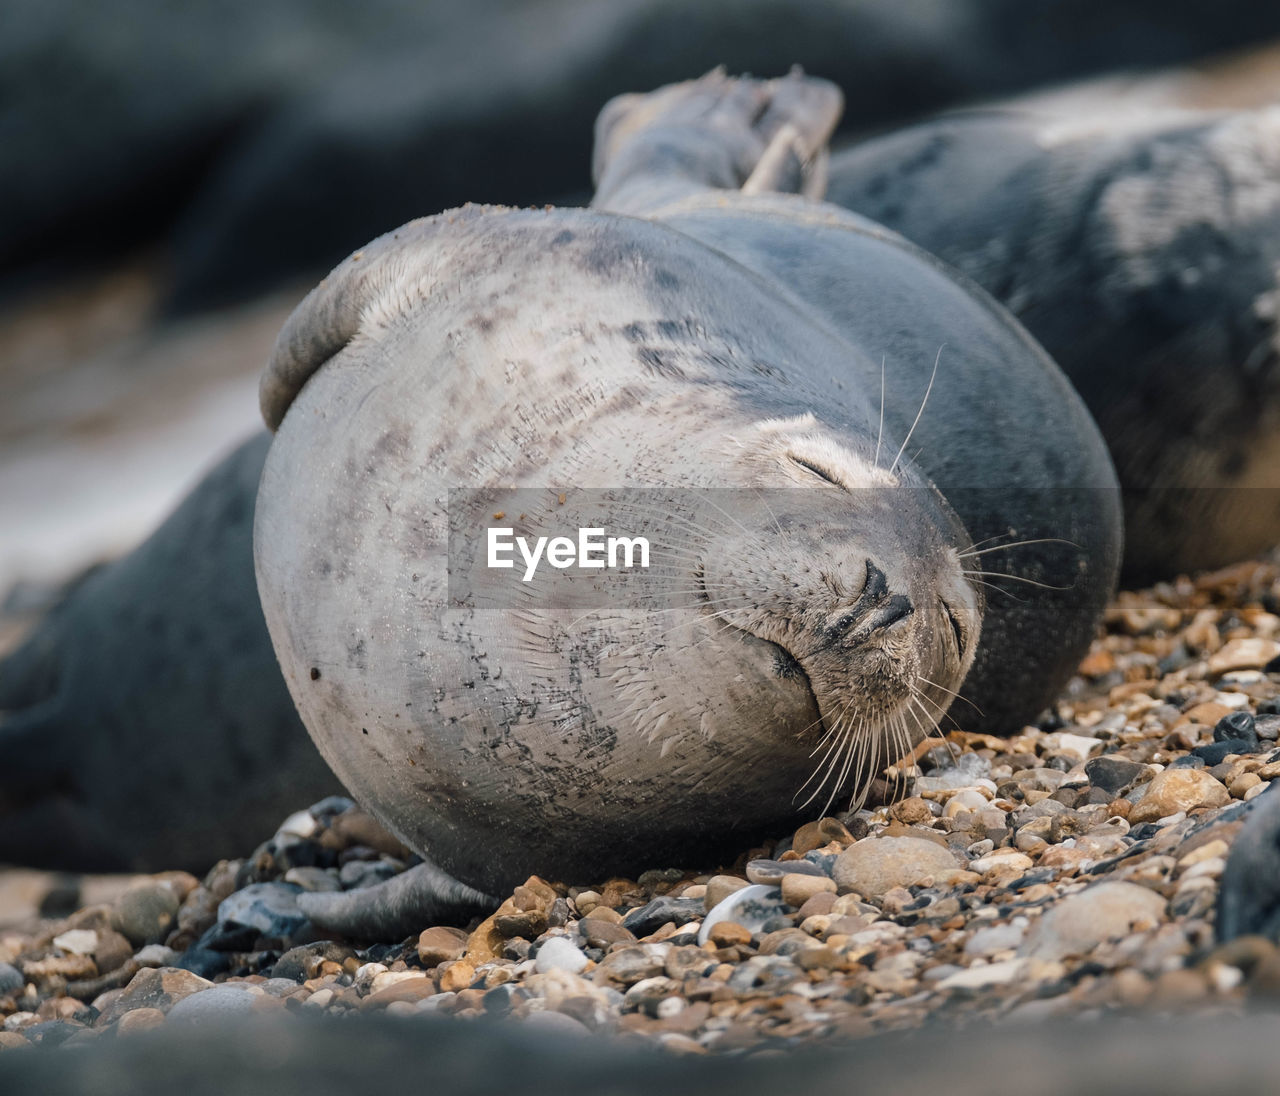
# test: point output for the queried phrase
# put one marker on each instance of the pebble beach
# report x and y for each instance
(1068, 872)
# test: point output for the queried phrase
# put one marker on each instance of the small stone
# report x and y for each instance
(215, 1004)
(599, 933)
(982, 977)
(872, 866)
(1250, 653)
(145, 914)
(269, 909)
(815, 835)
(455, 976)
(1242, 783)
(113, 950)
(1112, 774)
(1177, 790)
(77, 941)
(989, 941)
(729, 933)
(719, 887)
(154, 988)
(441, 944)
(663, 909)
(1002, 859)
(1081, 921)
(555, 1023)
(769, 873)
(586, 901)
(797, 889)
(911, 811)
(156, 955)
(559, 954)
(752, 907)
(631, 965)
(11, 1040)
(11, 980)
(1236, 727)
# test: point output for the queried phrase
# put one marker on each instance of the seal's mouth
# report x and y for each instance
(785, 664)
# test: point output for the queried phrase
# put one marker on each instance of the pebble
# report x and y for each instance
(11, 980)
(1082, 921)
(797, 889)
(215, 1004)
(1177, 790)
(559, 954)
(440, 944)
(145, 914)
(270, 909)
(875, 865)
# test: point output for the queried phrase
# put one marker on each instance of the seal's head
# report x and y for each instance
(853, 570)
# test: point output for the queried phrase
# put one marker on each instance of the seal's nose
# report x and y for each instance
(893, 610)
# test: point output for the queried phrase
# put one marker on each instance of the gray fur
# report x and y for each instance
(1143, 251)
(144, 724)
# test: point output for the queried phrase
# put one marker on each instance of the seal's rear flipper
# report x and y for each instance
(405, 904)
(1249, 894)
(717, 132)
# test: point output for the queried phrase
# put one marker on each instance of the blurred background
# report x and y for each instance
(175, 175)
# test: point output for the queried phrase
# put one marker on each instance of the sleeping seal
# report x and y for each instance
(704, 326)
(1142, 249)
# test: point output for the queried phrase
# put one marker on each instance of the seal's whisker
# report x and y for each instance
(1015, 578)
(1000, 590)
(932, 377)
(880, 432)
(951, 693)
(973, 550)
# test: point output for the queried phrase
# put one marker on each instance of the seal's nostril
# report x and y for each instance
(892, 611)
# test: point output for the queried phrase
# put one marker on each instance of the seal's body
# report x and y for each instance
(692, 331)
(1143, 251)
(144, 724)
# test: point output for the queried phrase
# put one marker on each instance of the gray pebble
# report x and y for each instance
(145, 914)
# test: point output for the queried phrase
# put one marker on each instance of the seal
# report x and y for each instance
(1142, 249)
(144, 724)
(703, 327)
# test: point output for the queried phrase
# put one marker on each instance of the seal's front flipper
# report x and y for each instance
(717, 132)
(405, 904)
(1249, 894)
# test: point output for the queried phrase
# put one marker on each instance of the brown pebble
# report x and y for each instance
(911, 811)
(821, 903)
(456, 976)
(11, 1040)
(728, 934)
(798, 889)
(140, 1019)
(440, 944)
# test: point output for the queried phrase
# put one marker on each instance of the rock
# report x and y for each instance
(911, 811)
(798, 888)
(1112, 774)
(814, 835)
(1078, 923)
(729, 933)
(269, 909)
(113, 950)
(11, 980)
(1177, 790)
(599, 933)
(995, 938)
(215, 1004)
(157, 955)
(138, 1021)
(1236, 727)
(439, 945)
(769, 873)
(652, 916)
(1007, 859)
(455, 976)
(719, 887)
(303, 962)
(555, 1023)
(77, 941)
(145, 914)
(631, 965)
(983, 977)
(875, 865)
(154, 988)
(559, 954)
(1251, 653)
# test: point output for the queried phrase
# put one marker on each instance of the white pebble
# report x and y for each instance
(559, 954)
(77, 941)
